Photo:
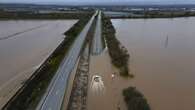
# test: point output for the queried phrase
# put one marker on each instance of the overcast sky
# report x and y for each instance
(101, 1)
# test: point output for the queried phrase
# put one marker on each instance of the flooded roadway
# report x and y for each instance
(30, 43)
(162, 59)
(97, 46)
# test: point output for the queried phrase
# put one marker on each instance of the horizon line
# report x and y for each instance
(103, 3)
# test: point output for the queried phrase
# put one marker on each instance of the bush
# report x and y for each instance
(135, 100)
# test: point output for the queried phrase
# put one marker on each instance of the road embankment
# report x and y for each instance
(58, 86)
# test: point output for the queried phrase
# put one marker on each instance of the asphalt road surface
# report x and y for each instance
(54, 97)
(97, 46)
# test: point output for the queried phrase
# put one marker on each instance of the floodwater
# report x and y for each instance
(162, 59)
(24, 45)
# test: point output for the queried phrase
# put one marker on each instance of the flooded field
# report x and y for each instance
(162, 59)
(24, 45)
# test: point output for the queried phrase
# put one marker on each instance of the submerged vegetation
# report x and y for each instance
(135, 100)
(118, 53)
(34, 88)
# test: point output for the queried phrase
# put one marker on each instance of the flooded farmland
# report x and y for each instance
(24, 45)
(162, 59)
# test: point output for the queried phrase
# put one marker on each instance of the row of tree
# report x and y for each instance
(119, 54)
(158, 14)
(27, 15)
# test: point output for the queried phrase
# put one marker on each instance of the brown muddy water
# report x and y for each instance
(24, 45)
(162, 59)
